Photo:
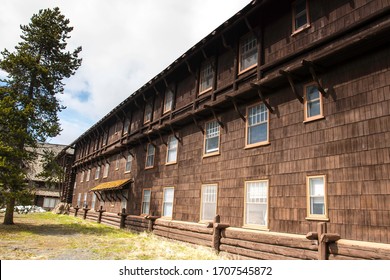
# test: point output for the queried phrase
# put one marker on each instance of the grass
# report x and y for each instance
(47, 236)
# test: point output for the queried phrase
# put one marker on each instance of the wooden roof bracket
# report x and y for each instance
(111, 193)
(116, 194)
(215, 115)
(142, 145)
(155, 89)
(137, 105)
(196, 123)
(131, 153)
(174, 134)
(260, 90)
(189, 68)
(150, 140)
(161, 138)
(143, 96)
(167, 86)
(290, 77)
(124, 196)
(97, 193)
(311, 66)
(234, 101)
(225, 45)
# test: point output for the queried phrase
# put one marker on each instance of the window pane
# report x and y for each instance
(257, 134)
(168, 202)
(317, 206)
(206, 76)
(317, 196)
(212, 137)
(172, 149)
(209, 202)
(129, 162)
(256, 203)
(168, 101)
(316, 186)
(248, 51)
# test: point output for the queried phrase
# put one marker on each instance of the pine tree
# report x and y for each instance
(29, 102)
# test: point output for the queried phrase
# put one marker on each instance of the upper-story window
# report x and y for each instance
(126, 126)
(211, 141)
(88, 175)
(82, 176)
(257, 125)
(129, 162)
(97, 172)
(248, 52)
(172, 150)
(106, 169)
(148, 112)
(150, 156)
(300, 15)
(206, 77)
(313, 103)
(168, 101)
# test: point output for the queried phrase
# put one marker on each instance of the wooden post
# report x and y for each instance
(85, 213)
(216, 234)
(100, 214)
(151, 220)
(321, 229)
(123, 218)
(76, 210)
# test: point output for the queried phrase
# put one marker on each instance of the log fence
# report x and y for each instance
(241, 243)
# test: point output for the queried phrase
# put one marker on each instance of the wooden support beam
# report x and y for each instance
(215, 115)
(234, 101)
(290, 77)
(189, 68)
(260, 90)
(117, 196)
(137, 105)
(225, 45)
(141, 144)
(161, 138)
(322, 254)
(155, 89)
(311, 66)
(197, 124)
(143, 96)
(174, 134)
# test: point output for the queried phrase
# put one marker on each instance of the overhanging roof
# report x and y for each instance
(112, 185)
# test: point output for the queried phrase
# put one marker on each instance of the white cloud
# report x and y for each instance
(125, 44)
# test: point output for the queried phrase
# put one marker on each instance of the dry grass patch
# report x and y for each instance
(47, 236)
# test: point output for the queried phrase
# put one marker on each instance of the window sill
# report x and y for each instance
(301, 29)
(127, 172)
(205, 91)
(171, 163)
(211, 154)
(240, 72)
(314, 119)
(247, 147)
(254, 227)
(320, 218)
(149, 167)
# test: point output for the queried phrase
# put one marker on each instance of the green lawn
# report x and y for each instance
(47, 236)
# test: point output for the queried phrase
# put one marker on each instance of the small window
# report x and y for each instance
(126, 126)
(105, 138)
(124, 202)
(209, 202)
(117, 162)
(79, 200)
(150, 156)
(88, 175)
(206, 77)
(300, 15)
(257, 125)
(316, 198)
(211, 142)
(146, 195)
(85, 202)
(106, 170)
(97, 172)
(93, 203)
(312, 103)
(82, 177)
(256, 204)
(248, 52)
(168, 101)
(168, 202)
(148, 112)
(172, 150)
(129, 162)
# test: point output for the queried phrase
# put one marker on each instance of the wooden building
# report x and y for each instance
(275, 121)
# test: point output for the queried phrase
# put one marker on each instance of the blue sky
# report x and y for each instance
(125, 44)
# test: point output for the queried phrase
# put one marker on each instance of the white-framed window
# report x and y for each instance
(50, 202)
(117, 162)
(316, 197)
(97, 172)
(172, 150)
(257, 125)
(82, 176)
(206, 76)
(106, 170)
(168, 196)
(79, 200)
(148, 112)
(129, 161)
(150, 151)
(85, 202)
(88, 175)
(248, 52)
(168, 100)
(93, 203)
(312, 103)
(211, 140)
(124, 202)
(209, 202)
(146, 196)
(256, 203)
(300, 15)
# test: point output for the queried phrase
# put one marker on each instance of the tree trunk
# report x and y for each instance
(9, 213)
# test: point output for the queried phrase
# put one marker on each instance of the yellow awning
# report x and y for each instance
(112, 185)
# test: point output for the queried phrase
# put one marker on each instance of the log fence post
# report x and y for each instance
(123, 215)
(99, 220)
(217, 229)
(151, 221)
(323, 238)
(85, 212)
(76, 210)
